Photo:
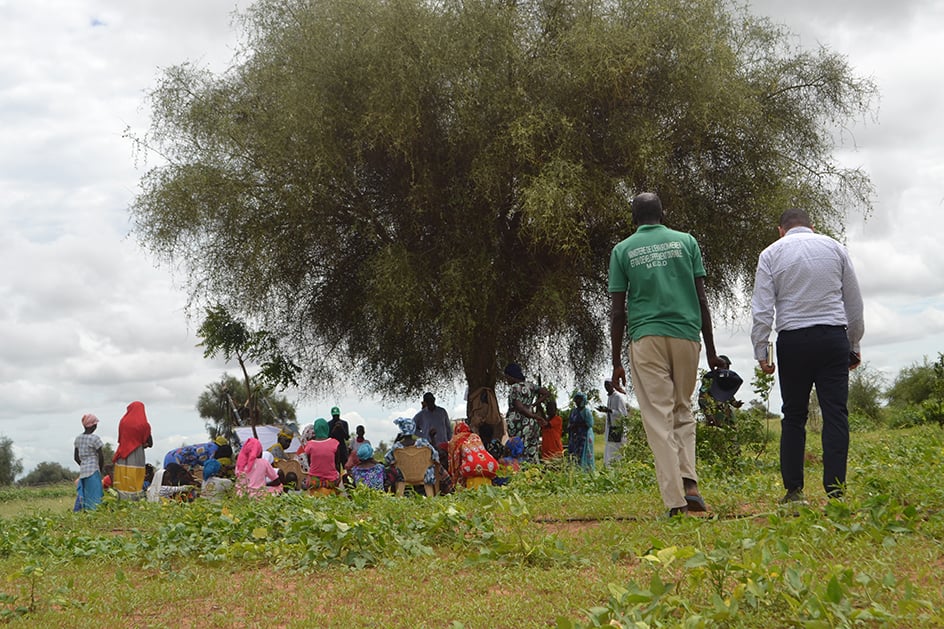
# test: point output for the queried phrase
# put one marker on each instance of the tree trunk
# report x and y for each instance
(479, 364)
(250, 397)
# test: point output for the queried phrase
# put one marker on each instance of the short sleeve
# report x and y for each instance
(618, 282)
(698, 265)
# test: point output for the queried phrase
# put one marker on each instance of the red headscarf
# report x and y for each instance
(133, 431)
(468, 456)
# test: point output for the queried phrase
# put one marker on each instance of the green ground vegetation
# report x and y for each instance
(556, 547)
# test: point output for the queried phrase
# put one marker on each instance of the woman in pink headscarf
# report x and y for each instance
(134, 435)
(255, 476)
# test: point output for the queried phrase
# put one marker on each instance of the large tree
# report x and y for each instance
(421, 189)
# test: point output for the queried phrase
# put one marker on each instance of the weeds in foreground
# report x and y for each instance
(869, 560)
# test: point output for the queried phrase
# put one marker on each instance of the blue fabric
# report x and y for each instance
(516, 447)
(406, 425)
(211, 468)
(90, 492)
(365, 452)
(580, 437)
(514, 370)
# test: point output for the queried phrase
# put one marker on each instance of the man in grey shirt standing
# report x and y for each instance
(433, 419)
(807, 279)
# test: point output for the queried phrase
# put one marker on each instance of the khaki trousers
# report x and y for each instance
(664, 372)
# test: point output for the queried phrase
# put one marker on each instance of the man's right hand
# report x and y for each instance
(619, 378)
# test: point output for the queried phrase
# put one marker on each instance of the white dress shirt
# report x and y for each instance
(807, 279)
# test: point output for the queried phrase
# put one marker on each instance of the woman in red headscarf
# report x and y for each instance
(134, 435)
(468, 457)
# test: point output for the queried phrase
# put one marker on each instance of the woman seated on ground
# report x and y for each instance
(173, 482)
(255, 476)
(405, 439)
(214, 486)
(320, 452)
(470, 463)
(195, 455)
(356, 442)
(367, 472)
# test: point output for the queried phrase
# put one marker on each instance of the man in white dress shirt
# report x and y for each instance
(807, 280)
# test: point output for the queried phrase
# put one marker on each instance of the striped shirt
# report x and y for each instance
(88, 446)
(807, 279)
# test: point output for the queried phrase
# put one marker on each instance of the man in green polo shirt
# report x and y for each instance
(657, 291)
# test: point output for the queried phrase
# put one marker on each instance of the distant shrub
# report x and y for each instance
(905, 416)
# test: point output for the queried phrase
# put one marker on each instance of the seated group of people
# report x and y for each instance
(323, 462)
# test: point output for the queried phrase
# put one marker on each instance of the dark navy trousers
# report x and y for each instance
(815, 356)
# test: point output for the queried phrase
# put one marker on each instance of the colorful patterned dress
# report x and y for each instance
(369, 475)
(521, 426)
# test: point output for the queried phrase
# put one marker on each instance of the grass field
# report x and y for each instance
(554, 548)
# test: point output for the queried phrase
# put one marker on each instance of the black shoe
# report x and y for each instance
(794, 497)
(696, 503)
(674, 511)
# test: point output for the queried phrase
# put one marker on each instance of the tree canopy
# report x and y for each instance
(222, 333)
(419, 190)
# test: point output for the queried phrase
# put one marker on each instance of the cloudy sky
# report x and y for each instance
(88, 324)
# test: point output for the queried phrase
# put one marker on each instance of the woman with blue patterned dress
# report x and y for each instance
(580, 433)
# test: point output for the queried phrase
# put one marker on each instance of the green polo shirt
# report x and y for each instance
(656, 267)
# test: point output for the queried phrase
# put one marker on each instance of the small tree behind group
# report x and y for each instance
(223, 406)
(223, 334)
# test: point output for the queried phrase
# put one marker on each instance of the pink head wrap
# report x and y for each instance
(250, 451)
(89, 420)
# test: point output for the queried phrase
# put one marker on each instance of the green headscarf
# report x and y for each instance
(321, 428)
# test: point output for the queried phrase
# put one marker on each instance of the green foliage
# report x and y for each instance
(866, 386)
(424, 189)
(47, 473)
(221, 333)
(731, 446)
(10, 465)
(908, 407)
(14, 494)
(747, 579)
(870, 559)
(913, 385)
